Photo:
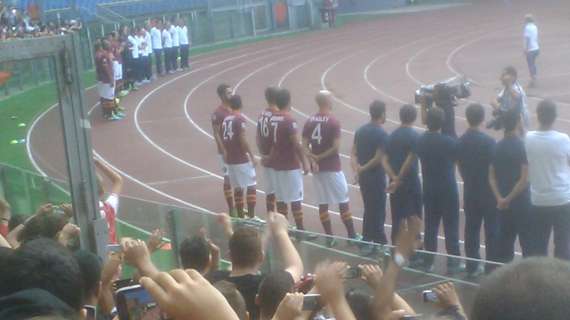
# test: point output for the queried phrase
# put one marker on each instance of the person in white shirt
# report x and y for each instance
(548, 153)
(184, 38)
(531, 46)
(145, 56)
(167, 46)
(148, 41)
(156, 40)
(175, 44)
(135, 65)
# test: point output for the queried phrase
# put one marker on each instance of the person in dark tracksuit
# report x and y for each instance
(474, 155)
(367, 152)
(437, 154)
(405, 189)
(508, 177)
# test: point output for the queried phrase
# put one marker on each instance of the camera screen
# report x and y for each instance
(135, 303)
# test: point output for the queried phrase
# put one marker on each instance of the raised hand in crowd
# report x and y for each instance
(137, 255)
(186, 295)
(155, 240)
(448, 301)
(329, 283)
(214, 250)
(290, 308)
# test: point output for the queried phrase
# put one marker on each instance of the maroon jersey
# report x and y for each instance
(283, 155)
(264, 138)
(233, 127)
(322, 130)
(103, 67)
(218, 117)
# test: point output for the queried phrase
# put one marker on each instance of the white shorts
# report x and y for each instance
(242, 175)
(118, 70)
(331, 187)
(289, 185)
(106, 91)
(270, 182)
(223, 165)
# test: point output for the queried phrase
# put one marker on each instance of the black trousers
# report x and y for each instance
(441, 206)
(137, 69)
(184, 52)
(404, 204)
(544, 221)
(480, 212)
(174, 61)
(158, 60)
(168, 59)
(373, 190)
(146, 67)
(514, 222)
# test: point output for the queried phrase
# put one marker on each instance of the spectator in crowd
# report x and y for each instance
(474, 155)
(529, 289)
(201, 254)
(247, 255)
(508, 177)
(548, 153)
(448, 302)
(5, 216)
(109, 204)
(405, 188)
(156, 41)
(368, 152)
(44, 264)
(437, 153)
(184, 36)
(234, 298)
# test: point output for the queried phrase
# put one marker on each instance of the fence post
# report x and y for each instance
(252, 11)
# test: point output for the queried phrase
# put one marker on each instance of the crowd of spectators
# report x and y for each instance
(46, 276)
(18, 23)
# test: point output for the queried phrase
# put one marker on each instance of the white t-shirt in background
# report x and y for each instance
(134, 46)
(531, 37)
(166, 39)
(183, 35)
(156, 38)
(548, 154)
(174, 35)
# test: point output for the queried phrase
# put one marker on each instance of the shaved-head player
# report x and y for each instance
(264, 142)
(321, 140)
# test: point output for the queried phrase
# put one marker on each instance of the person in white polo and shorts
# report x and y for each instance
(239, 158)
(264, 143)
(224, 92)
(321, 139)
(286, 159)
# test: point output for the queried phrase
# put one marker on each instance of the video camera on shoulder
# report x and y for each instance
(444, 93)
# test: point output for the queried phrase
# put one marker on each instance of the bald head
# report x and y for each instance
(324, 100)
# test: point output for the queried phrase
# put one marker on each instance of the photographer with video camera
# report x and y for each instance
(511, 97)
(444, 95)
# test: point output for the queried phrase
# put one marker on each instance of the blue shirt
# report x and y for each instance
(509, 157)
(437, 153)
(368, 139)
(402, 142)
(474, 155)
